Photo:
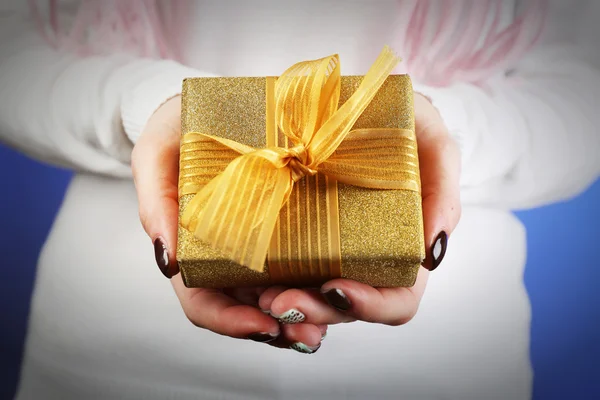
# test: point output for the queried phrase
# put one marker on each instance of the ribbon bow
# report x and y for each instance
(236, 212)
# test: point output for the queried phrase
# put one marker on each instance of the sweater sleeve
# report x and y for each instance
(530, 137)
(81, 113)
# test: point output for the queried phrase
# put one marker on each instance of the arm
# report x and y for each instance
(81, 113)
(87, 113)
(531, 137)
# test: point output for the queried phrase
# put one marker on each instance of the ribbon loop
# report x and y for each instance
(237, 211)
(307, 94)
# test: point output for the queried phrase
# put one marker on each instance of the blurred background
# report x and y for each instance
(562, 274)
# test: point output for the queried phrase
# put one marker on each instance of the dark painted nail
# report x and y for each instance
(438, 250)
(263, 337)
(337, 299)
(162, 257)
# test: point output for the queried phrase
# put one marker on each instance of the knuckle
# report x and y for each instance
(407, 313)
(192, 320)
(293, 294)
(446, 145)
(457, 210)
(369, 318)
(451, 143)
(399, 321)
(403, 319)
(287, 299)
(144, 218)
(135, 156)
(453, 210)
(138, 150)
(193, 313)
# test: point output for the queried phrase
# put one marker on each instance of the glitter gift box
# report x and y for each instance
(381, 239)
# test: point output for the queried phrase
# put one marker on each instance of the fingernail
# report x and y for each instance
(438, 250)
(323, 336)
(162, 257)
(336, 298)
(263, 337)
(291, 316)
(302, 348)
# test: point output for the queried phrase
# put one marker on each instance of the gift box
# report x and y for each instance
(327, 227)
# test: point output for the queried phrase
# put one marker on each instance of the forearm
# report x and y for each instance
(528, 139)
(82, 113)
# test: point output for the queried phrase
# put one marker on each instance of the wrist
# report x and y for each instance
(160, 84)
(166, 119)
(427, 117)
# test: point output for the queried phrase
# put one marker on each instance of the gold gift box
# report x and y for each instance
(381, 231)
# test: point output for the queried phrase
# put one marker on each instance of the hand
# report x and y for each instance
(155, 164)
(342, 299)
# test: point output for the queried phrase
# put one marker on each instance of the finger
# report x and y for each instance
(323, 330)
(290, 316)
(245, 295)
(267, 296)
(390, 306)
(304, 305)
(211, 309)
(439, 161)
(304, 338)
(155, 166)
(283, 342)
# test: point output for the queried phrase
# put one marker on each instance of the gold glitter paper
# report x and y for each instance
(381, 231)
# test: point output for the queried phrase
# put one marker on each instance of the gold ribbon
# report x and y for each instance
(239, 194)
(306, 241)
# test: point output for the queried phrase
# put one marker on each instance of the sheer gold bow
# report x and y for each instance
(236, 211)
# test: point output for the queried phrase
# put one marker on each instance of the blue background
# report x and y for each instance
(562, 275)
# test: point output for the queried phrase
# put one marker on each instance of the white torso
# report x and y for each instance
(106, 324)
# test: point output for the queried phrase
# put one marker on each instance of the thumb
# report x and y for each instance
(439, 161)
(155, 166)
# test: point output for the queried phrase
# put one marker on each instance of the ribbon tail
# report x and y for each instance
(334, 131)
(241, 209)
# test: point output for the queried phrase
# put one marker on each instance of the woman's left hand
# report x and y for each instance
(344, 300)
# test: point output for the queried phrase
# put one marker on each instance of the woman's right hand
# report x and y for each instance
(235, 313)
